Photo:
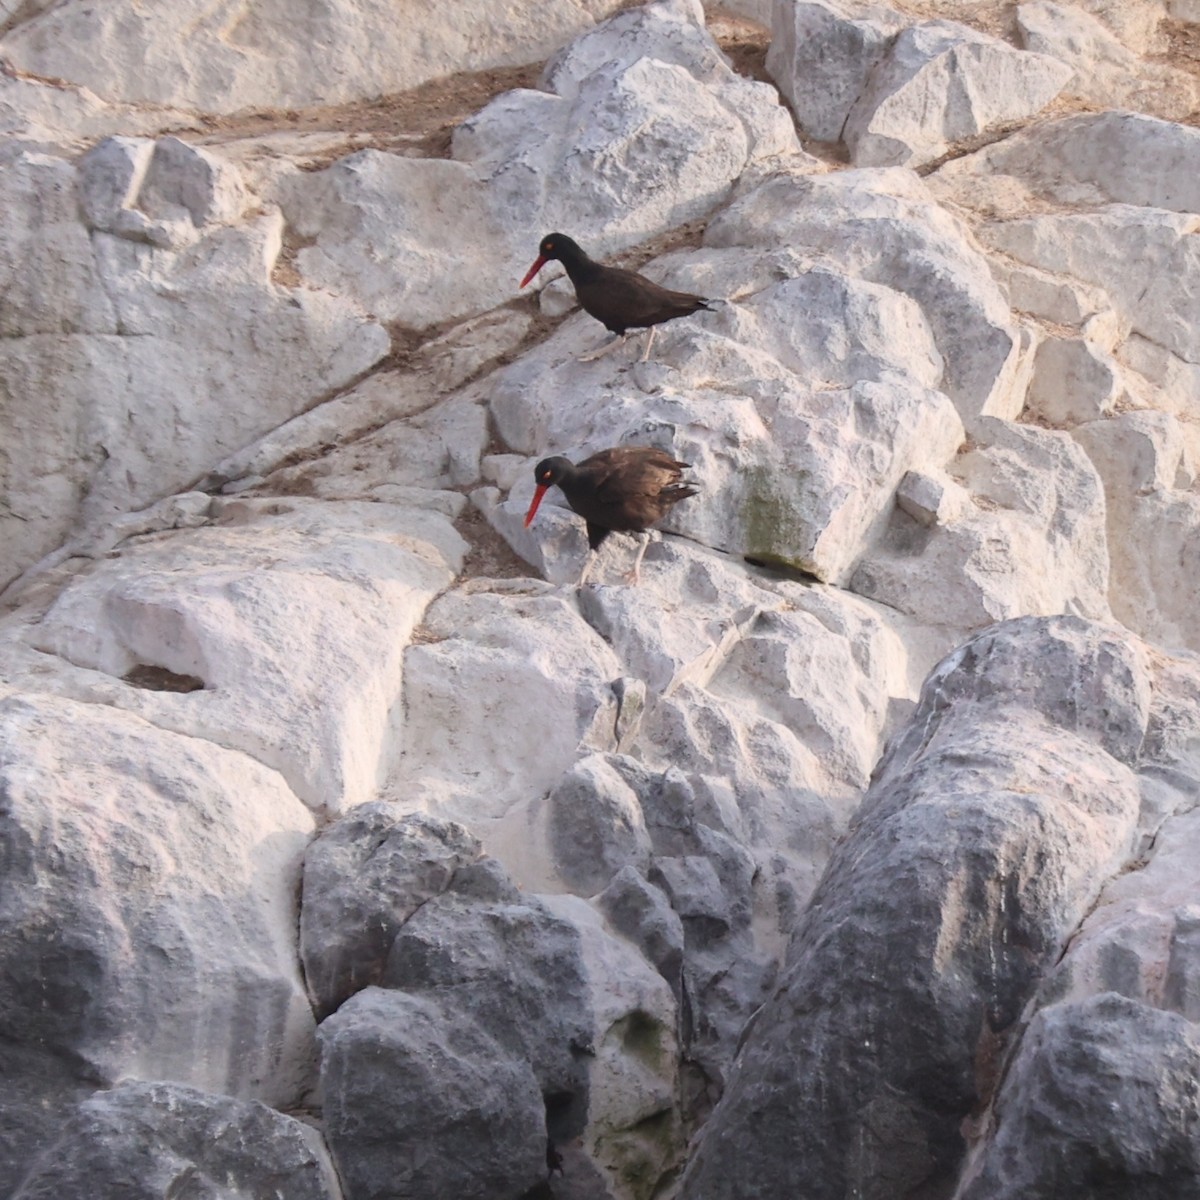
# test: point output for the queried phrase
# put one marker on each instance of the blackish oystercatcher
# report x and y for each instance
(620, 300)
(625, 489)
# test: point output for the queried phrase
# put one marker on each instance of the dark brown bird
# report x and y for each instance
(620, 300)
(625, 489)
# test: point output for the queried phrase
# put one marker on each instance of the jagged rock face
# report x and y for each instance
(152, 1141)
(975, 855)
(853, 848)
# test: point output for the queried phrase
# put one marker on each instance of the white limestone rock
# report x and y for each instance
(1033, 540)
(1073, 382)
(1145, 260)
(884, 226)
(1153, 523)
(190, 56)
(1092, 159)
(142, 1141)
(272, 593)
(149, 898)
(932, 499)
(1106, 71)
(1054, 298)
(161, 192)
(940, 82)
(822, 54)
(634, 144)
(502, 690)
(130, 368)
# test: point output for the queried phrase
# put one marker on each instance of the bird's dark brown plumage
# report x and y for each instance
(624, 489)
(617, 298)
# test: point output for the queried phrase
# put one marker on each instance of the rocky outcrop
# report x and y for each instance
(353, 850)
(975, 855)
(146, 1141)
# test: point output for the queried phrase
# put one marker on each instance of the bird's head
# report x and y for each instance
(546, 474)
(554, 248)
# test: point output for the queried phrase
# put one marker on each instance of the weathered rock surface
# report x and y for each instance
(1007, 795)
(271, 396)
(940, 82)
(155, 1141)
(1114, 1083)
(419, 1100)
(223, 60)
(149, 908)
(1106, 70)
(238, 604)
(153, 341)
(364, 876)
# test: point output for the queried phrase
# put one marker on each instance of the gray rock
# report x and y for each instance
(419, 1100)
(364, 876)
(516, 969)
(822, 54)
(1101, 1101)
(149, 912)
(163, 1141)
(977, 853)
(639, 911)
(595, 826)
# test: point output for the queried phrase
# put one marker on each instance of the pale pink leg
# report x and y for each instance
(649, 343)
(587, 568)
(634, 576)
(616, 340)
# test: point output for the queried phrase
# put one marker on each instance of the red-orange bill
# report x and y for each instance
(543, 488)
(537, 266)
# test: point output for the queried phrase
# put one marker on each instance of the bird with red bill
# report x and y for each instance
(625, 489)
(620, 300)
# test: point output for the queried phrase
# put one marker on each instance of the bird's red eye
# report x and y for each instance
(549, 245)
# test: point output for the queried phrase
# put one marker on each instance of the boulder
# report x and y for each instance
(994, 812)
(364, 876)
(822, 54)
(493, 959)
(149, 909)
(420, 1101)
(1102, 1089)
(884, 227)
(939, 82)
(639, 911)
(147, 1141)
(596, 826)
(1026, 541)
(241, 605)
